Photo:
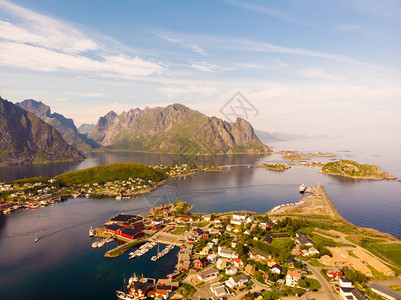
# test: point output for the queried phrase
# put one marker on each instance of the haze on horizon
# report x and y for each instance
(314, 67)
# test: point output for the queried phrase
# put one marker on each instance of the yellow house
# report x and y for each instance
(250, 269)
(374, 262)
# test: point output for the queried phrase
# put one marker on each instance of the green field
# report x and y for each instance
(391, 251)
(179, 230)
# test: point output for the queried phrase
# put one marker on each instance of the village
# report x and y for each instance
(32, 193)
(243, 255)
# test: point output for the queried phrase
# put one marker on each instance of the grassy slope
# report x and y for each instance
(117, 171)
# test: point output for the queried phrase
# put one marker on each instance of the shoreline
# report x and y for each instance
(361, 177)
(318, 192)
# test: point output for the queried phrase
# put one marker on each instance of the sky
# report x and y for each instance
(305, 67)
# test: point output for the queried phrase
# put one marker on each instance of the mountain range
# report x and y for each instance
(31, 133)
(26, 139)
(175, 129)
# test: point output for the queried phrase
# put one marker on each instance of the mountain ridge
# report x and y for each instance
(63, 125)
(175, 129)
(26, 139)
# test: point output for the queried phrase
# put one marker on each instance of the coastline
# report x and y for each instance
(391, 177)
(311, 209)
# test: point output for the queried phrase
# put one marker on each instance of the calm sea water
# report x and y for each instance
(63, 265)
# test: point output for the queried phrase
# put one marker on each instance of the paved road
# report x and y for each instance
(326, 292)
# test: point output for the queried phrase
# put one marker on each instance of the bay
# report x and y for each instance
(63, 264)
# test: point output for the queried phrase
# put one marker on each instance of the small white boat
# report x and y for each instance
(302, 188)
(91, 232)
(94, 244)
(100, 244)
(118, 198)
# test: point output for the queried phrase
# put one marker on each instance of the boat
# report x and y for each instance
(36, 238)
(91, 232)
(124, 296)
(302, 188)
(118, 198)
(94, 245)
(100, 244)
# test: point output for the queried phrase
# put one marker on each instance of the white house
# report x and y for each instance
(345, 282)
(250, 219)
(292, 278)
(227, 253)
(238, 218)
(212, 258)
(276, 269)
(313, 251)
(218, 289)
(231, 270)
(208, 274)
(238, 280)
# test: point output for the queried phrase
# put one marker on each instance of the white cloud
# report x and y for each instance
(40, 30)
(40, 43)
(46, 60)
(187, 45)
(208, 67)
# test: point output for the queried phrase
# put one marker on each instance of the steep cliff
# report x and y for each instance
(26, 139)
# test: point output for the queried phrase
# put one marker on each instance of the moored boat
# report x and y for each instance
(302, 188)
(124, 296)
(91, 232)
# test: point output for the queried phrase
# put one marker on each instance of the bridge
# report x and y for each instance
(238, 165)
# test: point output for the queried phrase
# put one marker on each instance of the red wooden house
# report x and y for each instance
(156, 227)
(334, 274)
(201, 263)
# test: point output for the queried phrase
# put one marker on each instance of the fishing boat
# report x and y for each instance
(36, 238)
(302, 188)
(100, 244)
(91, 232)
(124, 295)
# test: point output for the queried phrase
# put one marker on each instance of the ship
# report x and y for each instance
(302, 188)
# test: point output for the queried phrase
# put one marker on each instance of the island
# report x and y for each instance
(275, 166)
(296, 156)
(349, 168)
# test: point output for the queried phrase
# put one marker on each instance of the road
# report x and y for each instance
(326, 292)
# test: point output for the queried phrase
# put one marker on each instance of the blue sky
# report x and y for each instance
(307, 66)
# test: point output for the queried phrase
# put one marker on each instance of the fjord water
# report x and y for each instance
(63, 265)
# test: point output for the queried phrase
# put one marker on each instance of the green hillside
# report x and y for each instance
(117, 171)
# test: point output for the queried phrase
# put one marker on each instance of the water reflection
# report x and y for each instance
(104, 158)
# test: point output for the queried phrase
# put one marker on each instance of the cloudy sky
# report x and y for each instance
(314, 66)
